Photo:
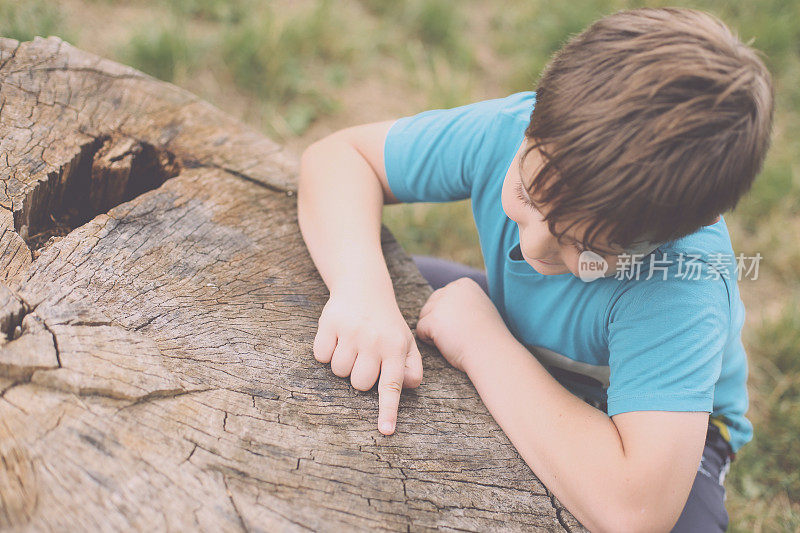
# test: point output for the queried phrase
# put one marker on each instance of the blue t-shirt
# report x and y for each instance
(624, 342)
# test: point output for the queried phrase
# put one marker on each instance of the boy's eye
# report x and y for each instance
(523, 197)
(525, 200)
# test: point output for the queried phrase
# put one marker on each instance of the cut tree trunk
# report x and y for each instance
(158, 308)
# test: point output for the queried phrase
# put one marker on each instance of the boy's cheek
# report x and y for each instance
(506, 201)
(573, 264)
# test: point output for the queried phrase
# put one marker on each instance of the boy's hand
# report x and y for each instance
(459, 318)
(363, 335)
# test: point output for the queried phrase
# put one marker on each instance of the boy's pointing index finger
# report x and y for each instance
(390, 384)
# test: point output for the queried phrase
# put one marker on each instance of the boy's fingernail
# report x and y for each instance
(386, 427)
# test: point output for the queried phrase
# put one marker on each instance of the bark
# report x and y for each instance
(158, 308)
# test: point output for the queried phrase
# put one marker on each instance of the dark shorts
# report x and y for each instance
(705, 507)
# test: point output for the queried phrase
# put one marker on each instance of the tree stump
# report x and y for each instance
(158, 308)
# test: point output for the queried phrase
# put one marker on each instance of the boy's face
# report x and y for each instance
(539, 247)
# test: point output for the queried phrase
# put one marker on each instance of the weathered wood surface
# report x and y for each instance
(158, 308)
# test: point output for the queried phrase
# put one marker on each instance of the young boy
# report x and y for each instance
(608, 326)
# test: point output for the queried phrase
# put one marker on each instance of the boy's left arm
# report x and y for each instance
(630, 472)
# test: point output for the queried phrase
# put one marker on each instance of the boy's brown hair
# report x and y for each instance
(651, 122)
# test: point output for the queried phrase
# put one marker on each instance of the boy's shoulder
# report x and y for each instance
(518, 105)
(681, 279)
(515, 105)
(442, 154)
(711, 246)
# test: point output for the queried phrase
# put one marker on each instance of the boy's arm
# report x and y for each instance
(342, 188)
(631, 472)
(433, 156)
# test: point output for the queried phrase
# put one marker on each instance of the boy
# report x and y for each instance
(591, 347)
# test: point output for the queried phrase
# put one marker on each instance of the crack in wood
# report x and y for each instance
(107, 171)
(559, 511)
(11, 56)
(233, 504)
(11, 315)
(195, 163)
(55, 343)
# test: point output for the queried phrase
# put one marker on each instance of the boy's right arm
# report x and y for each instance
(341, 192)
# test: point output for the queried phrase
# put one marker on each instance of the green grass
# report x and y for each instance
(162, 50)
(430, 40)
(530, 32)
(767, 471)
(288, 63)
(225, 11)
(438, 25)
(25, 20)
(280, 61)
(430, 73)
(436, 229)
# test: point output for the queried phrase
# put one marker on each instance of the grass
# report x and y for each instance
(162, 50)
(764, 484)
(431, 73)
(223, 11)
(287, 63)
(303, 65)
(276, 60)
(25, 20)
(436, 229)
(436, 24)
(530, 32)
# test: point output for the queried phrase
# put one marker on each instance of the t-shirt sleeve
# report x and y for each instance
(666, 342)
(435, 156)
